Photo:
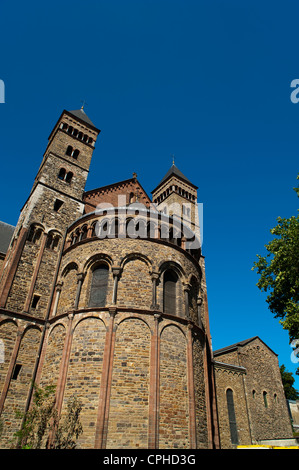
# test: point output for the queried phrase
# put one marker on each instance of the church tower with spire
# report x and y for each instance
(103, 297)
(108, 305)
(176, 197)
(54, 202)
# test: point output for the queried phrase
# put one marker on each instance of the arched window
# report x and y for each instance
(69, 177)
(35, 234)
(69, 150)
(61, 174)
(52, 241)
(83, 233)
(99, 285)
(75, 154)
(31, 233)
(265, 399)
(232, 417)
(93, 232)
(169, 292)
(49, 240)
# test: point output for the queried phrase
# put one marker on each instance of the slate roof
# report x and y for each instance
(79, 113)
(6, 233)
(176, 172)
(239, 344)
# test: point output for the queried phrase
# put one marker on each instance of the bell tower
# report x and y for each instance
(176, 196)
(55, 201)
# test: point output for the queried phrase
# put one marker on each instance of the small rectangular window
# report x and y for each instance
(16, 371)
(35, 301)
(57, 205)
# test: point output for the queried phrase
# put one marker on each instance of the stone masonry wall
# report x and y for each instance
(174, 412)
(228, 378)
(129, 401)
(270, 420)
(18, 390)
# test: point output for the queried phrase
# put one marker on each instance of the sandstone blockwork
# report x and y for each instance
(251, 372)
(111, 362)
(103, 296)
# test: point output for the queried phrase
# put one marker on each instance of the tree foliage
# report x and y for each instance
(279, 273)
(288, 381)
(42, 427)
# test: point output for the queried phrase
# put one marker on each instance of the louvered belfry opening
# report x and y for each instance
(99, 285)
(169, 292)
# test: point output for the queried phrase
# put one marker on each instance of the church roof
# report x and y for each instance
(6, 233)
(239, 344)
(174, 171)
(79, 113)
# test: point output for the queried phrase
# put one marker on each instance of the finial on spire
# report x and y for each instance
(83, 104)
(172, 158)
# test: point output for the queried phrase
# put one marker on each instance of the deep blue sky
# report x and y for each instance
(208, 81)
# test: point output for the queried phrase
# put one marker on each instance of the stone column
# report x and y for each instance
(186, 288)
(80, 278)
(105, 387)
(155, 278)
(192, 409)
(116, 271)
(58, 292)
(89, 231)
(64, 364)
(154, 391)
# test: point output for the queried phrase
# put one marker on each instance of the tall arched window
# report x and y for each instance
(83, 233)
(75, 154)
(68, 177)
(61, 174)
(69, 150)
(169, 292)
(99, 283)
(232, 417)
(265, 399)
(34, 234)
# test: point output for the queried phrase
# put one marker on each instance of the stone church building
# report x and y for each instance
(103, 294)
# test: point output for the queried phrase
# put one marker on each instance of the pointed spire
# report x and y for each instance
(80, 113)
(174, 171)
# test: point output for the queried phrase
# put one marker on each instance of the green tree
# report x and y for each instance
(288, 381)
(41, 427)
(279, 273)
(70, 428)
